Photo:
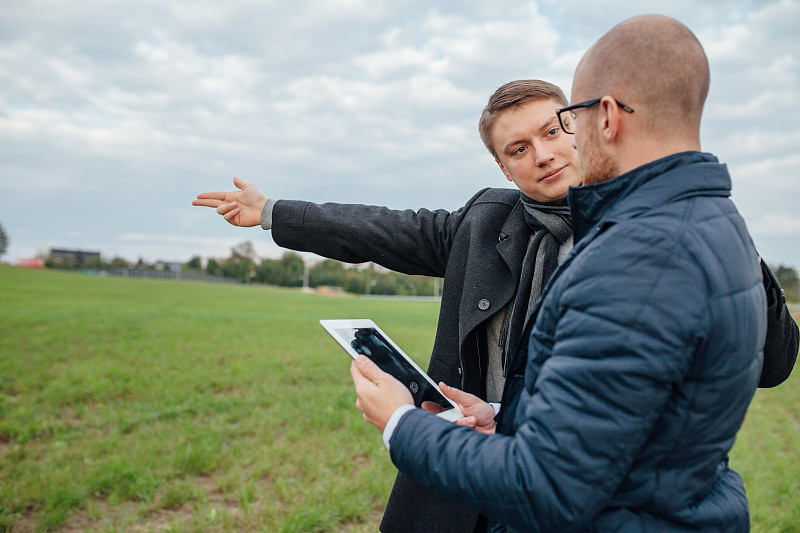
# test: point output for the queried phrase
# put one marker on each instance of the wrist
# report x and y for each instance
(391, 424)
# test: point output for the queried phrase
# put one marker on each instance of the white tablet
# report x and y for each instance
(362, 336)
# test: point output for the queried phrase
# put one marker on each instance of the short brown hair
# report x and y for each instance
(513, 94)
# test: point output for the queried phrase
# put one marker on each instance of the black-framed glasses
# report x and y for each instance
(568, 121)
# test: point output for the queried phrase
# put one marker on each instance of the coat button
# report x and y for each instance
(483, 305)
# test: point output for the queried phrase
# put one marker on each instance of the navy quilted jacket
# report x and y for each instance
(639, 364)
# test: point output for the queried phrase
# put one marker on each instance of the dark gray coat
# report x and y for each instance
(478, 250)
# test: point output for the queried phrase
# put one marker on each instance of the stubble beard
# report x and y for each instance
(596, 165)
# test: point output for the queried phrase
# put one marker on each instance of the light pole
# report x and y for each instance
(305, 277)
(413, 287)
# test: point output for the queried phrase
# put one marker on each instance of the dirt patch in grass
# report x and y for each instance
(795, 419)
(133, 516)
(25, 522)
(215, 496)
(325, 290)
(24, 525)
(83, 521)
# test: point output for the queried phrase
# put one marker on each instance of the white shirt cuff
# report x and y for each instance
(496, 407)
(393, 420)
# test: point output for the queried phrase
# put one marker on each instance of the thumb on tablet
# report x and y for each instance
(369, 369)
(457, 395)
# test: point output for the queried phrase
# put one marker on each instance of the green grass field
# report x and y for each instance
(139, 405)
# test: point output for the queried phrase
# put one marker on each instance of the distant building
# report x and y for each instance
(171, 266)
(30, 263)
(76, 258)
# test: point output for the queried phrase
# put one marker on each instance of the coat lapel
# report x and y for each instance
(495, 280)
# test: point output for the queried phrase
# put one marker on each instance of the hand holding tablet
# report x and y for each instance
(362, 336)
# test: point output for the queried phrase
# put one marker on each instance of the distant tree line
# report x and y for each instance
(244, 266)
(790, 283)
(290, 271)
(3, 241)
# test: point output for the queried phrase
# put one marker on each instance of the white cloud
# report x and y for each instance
(114, 115)
(781, 226)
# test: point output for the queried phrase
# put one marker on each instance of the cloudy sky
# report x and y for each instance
(114, 115)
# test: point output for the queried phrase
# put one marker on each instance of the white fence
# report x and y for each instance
(176, 275)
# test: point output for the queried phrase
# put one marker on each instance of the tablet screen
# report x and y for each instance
(370, 342)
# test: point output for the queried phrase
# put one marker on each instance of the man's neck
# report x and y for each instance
(639, 152)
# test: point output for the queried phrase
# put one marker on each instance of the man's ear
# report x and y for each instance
(609, 118)
(503, 169)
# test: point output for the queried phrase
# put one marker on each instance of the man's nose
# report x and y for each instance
(543, 155)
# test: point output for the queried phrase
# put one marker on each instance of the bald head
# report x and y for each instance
(654, 64)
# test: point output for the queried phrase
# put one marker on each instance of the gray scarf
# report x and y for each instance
(550, 228)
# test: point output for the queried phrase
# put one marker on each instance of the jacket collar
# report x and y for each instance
(658, 182)
(513, 239)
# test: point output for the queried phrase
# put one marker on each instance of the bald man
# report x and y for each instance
(639, 360)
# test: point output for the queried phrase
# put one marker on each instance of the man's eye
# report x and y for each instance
(553, 131)
(571, 120)
(519, 150)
